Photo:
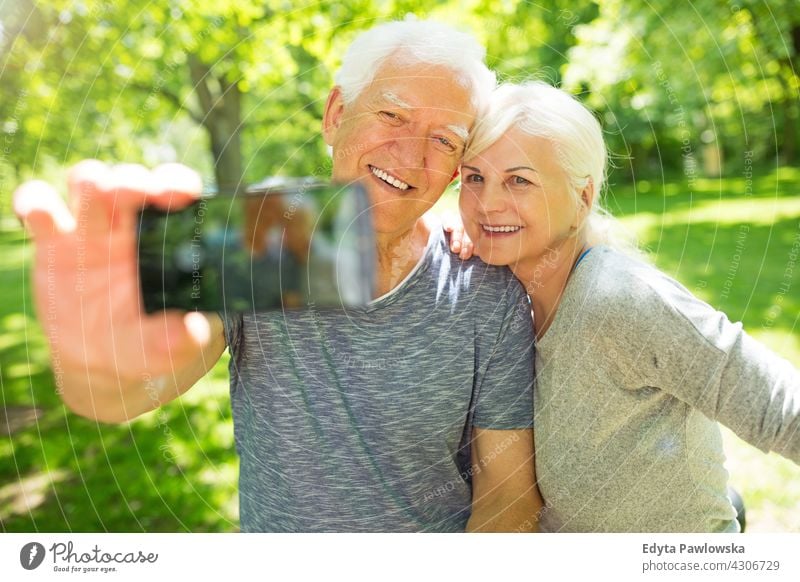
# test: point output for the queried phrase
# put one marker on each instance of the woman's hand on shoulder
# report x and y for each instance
(460, 243)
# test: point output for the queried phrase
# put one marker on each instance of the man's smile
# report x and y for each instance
(387, 178)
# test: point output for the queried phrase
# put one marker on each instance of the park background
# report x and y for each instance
(700, 106)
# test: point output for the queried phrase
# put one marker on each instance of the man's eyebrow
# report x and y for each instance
(460, 131)
(395, 99)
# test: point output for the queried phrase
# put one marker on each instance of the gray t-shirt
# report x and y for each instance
(360, 420)
(631, 377)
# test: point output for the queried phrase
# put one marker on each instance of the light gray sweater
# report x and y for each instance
(632, 376)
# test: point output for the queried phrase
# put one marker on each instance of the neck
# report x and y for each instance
(545, 277)
(398, 253)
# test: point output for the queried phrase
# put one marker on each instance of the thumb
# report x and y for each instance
(177, 333)
(198, 328)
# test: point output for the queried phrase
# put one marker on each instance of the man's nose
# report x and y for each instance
(409, 151)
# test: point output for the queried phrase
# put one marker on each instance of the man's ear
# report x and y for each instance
(332, 118)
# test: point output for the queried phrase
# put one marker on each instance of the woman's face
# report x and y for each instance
(515, 200)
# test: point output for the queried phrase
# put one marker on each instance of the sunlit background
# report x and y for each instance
(699, 102)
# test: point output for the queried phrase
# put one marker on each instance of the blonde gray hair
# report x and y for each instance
(410, 42)
(541, 110)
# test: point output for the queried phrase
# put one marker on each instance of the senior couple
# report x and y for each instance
(632, 371)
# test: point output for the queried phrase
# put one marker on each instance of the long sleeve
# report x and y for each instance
(688, 349)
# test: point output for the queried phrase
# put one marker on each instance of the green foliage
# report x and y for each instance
(129, 79)
(671, 79)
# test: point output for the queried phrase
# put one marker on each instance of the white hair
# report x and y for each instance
(410, 42)
(541, 110)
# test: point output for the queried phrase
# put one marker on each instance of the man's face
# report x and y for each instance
(403, 138)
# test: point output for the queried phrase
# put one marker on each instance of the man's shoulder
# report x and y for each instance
(473, 277)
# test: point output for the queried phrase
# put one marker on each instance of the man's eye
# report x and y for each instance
(389, 116)
(445, 143)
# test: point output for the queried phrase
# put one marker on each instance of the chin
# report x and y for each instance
(495, 258)
(388, 223)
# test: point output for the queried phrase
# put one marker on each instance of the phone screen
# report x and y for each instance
(283, 245)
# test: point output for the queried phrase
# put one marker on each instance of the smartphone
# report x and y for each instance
(281, 244)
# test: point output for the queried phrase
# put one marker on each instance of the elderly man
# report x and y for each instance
(412, 414)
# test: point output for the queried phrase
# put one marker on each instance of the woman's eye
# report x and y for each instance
(473, 178)
(519, 181)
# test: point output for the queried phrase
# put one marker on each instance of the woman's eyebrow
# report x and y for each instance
(515, 168)
(473, 168)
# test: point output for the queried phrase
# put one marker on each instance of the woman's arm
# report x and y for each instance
(688, 349)
(505, 497)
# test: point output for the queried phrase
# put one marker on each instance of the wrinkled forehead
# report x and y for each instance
(423, 89)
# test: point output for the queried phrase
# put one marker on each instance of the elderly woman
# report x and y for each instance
(633, 372)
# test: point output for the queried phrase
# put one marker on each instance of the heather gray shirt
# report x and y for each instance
(632, 376)
(360, 420)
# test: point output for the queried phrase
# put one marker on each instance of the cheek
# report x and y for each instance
(353, 139)
(467, 205)
(442, 167)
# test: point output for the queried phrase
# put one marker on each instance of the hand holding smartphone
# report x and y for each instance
(282, 244)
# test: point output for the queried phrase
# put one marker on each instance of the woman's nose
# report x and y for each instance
(494, 199)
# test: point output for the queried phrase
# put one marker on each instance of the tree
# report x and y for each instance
(677, 76)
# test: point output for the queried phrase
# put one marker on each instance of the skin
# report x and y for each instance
(401, 124)
(113, 362)
(519, 182)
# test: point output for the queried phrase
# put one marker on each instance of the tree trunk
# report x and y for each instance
(791, 115)
(222, 118)
(789, 149)
(224, 129)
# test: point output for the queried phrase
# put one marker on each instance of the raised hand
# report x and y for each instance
(111, 360)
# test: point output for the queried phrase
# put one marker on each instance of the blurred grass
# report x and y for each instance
(176, 470)
(171, 470)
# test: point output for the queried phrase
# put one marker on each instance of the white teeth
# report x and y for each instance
(389, 179)
(488, 228)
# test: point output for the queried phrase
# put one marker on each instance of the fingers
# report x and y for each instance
(101, 194)
(467, 249)
(42, 210)
(458, 238)
(460, 243)
(455, 243)
(89, 184)
(176, 186)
